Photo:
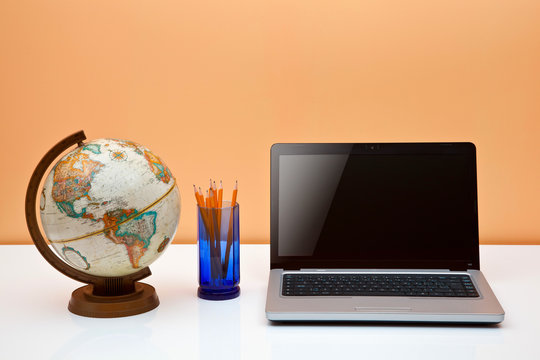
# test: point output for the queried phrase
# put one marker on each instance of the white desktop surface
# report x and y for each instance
(35, 322)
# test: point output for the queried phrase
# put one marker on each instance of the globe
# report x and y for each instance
(110, 207)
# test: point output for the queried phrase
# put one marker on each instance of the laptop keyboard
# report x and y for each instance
(429, 285)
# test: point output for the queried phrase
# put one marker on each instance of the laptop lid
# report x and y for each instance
(374, 206)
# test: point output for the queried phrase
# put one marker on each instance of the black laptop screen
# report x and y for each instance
(378, 208)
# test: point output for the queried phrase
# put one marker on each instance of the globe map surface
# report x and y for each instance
(110, 207)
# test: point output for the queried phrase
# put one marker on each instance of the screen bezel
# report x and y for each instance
(470, 260)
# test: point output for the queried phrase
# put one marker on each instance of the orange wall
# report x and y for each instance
(210, 85)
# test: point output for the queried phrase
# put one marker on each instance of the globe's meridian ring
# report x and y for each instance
(121, 222)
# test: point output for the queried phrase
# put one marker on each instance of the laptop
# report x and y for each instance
(376, 232)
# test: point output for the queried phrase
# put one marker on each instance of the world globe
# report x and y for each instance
(110, 207)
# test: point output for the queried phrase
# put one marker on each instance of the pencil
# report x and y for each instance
(215, 247)
(201, 195)
(220, 204)
(230, 232)
(234, 194)
(220, 195)
(197, 197)
(208, 229)
(214, 196)
(200, 204)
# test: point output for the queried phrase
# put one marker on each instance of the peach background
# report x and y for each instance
(210, 85)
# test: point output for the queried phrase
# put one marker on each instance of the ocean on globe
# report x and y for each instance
(110, 207)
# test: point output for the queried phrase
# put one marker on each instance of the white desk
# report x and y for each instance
(35, 322)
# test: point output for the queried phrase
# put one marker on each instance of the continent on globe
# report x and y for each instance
(75, 258)
(95, 148)
(158, 168)
(163, 244)
(135, 234)
(72, 181)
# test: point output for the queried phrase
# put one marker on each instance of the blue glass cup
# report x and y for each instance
(219, 252)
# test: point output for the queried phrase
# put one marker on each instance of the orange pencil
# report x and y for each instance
(230, 233)
(214, 196)
(203, 212)
(201, 195)
(213, 215)
(234, 193)
(210, 213)
(197, 197)
(220, 203)
(220, 195)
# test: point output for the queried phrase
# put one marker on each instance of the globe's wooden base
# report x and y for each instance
(83, 302)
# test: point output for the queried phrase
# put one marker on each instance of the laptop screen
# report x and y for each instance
(375, 205)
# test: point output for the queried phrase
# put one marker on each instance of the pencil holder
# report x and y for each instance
(219, 252)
